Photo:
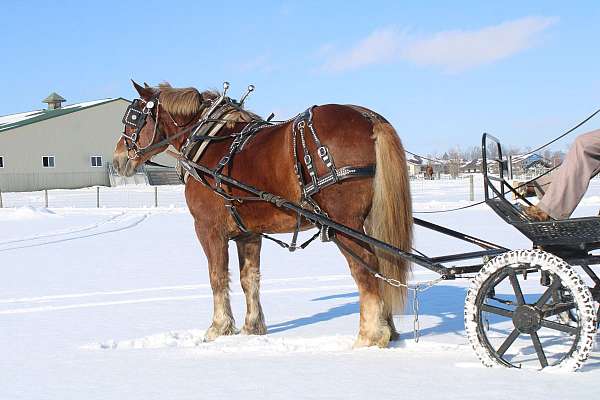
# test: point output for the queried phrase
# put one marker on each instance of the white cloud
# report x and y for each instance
(379, 47)
(452, 51)
(260, 63)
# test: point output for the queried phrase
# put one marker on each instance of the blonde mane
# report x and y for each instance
(188, 102)
(180, 102)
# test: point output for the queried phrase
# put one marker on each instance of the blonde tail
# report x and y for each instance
(390, 218)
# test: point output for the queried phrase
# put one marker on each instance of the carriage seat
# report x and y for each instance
(582, 234)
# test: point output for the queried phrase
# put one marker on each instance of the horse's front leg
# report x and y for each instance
(215, 247)
(249, 257)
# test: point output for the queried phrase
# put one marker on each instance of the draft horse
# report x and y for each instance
(379, 204)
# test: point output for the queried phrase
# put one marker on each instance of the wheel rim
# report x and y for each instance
(526, 328)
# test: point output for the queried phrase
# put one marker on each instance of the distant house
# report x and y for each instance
(530, 163)
(439, 166)
(535, 161)
(471, 167)
(415, 166)
(60, 146)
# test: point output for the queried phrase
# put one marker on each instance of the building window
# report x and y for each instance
(96, 161)
(48, 161)
(1, 162)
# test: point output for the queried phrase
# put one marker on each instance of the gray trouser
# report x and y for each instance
(570, 181)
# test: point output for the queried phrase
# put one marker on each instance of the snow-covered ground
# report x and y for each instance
(112, 303)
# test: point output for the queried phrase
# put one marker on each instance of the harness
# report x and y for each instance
(196, 143)
(206, 131)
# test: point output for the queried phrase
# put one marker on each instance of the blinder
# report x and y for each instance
(136, 116)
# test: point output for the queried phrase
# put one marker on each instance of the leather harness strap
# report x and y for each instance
(301, 128)
(196, 144)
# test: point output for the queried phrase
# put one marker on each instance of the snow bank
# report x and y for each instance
(267, 345)
(26, 212)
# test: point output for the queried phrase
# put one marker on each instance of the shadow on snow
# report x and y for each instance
(443, 302)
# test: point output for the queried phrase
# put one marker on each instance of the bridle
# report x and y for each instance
(139, 110)
(136, 116)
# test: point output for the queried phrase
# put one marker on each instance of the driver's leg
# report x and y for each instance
(571, 179)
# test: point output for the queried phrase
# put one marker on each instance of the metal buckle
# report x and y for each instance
(224, 161)
(322, 151)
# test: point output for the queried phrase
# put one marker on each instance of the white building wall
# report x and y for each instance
(72, 139)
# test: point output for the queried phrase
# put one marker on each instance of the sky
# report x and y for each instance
(442, 72)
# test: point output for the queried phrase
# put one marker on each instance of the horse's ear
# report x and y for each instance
(144, 92)
(146, 85)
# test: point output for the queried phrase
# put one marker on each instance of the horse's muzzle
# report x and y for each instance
(123, 165)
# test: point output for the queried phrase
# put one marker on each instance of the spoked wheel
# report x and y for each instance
(529, 308)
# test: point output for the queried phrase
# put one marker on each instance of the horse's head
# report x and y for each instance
(154, 121)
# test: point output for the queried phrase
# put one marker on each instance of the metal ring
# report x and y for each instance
(322, 151)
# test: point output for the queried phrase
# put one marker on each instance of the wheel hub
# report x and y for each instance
(527, 319)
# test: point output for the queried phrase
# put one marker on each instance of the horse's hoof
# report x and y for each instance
(255, 329)
(394, 336)
(381, 339)
(214, 332)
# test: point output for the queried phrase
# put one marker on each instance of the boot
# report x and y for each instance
(536, 214)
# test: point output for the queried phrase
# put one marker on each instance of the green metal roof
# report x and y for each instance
(13, 121)
(53, 97)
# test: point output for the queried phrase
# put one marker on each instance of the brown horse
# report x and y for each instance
(429, 172)
(379, 205)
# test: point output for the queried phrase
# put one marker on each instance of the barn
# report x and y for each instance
(61, 146)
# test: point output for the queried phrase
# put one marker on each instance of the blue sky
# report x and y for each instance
(441, 72)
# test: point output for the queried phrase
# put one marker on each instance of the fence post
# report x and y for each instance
(471, 189)
(46, 198)
(1, 205)
(156, 196)
(510, 168)
(97, 196)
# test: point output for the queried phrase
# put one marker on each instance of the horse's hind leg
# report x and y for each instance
(375, 329)
(249, 257)
(215, 247)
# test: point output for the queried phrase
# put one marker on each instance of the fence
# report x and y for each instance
(138, 196)
(463, 188)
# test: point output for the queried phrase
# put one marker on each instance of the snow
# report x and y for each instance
(28, 212)
(87, 103)
(19, 117)
(112, 303)
(12, 118)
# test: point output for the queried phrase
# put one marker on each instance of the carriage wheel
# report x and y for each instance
(515, 294)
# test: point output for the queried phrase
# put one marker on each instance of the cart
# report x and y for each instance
(547, 296)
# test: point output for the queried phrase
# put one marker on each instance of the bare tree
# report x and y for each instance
(454, 161)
